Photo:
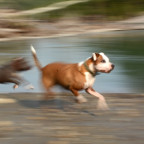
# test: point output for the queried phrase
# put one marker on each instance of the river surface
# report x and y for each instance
(124, 48)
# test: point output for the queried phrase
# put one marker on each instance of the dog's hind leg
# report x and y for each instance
(49, 94)
(47, 84)
(79, 98)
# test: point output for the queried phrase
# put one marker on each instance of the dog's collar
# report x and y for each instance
(88, 69)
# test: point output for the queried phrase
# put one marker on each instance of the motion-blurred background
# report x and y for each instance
(70, 30)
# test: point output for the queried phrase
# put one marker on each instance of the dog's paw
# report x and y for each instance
(102, 105)
(81, 99)
(15, 86)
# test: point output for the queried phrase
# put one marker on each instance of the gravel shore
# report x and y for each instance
(28, 119)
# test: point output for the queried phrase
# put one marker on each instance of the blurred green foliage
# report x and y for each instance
(26, 4)
(102, 9)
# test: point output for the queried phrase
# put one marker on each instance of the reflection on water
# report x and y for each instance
(125, 50)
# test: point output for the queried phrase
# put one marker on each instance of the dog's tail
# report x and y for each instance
(37, 63)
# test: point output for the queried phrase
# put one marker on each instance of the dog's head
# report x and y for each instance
(20, 64)
(102, 63)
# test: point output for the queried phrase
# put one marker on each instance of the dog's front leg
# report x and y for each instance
(79, 98)
(101, 102)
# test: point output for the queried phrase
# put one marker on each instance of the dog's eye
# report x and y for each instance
(103, 61)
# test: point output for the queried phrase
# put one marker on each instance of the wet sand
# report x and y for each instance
(26, 119)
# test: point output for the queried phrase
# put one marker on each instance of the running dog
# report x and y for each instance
(9, 72)
(76, 76)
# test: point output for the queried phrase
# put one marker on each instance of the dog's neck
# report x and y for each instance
(88, 66)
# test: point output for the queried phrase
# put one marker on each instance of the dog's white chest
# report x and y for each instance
(89, 80)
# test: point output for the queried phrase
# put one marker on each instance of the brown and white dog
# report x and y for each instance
(76, 76)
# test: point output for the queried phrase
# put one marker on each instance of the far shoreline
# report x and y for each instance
(96, 31)
(67, 27)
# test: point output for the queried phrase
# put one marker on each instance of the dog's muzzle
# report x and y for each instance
(112, 67)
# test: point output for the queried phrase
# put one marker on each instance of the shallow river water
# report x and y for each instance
(124, 48)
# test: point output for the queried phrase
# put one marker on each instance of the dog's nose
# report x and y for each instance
(112, 66)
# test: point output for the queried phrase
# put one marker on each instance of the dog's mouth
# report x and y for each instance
(107, 71)
(112, 67)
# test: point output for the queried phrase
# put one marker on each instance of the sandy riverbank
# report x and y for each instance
(68, 27)
(61, 121)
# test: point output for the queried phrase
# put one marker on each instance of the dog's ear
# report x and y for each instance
(95, 56)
